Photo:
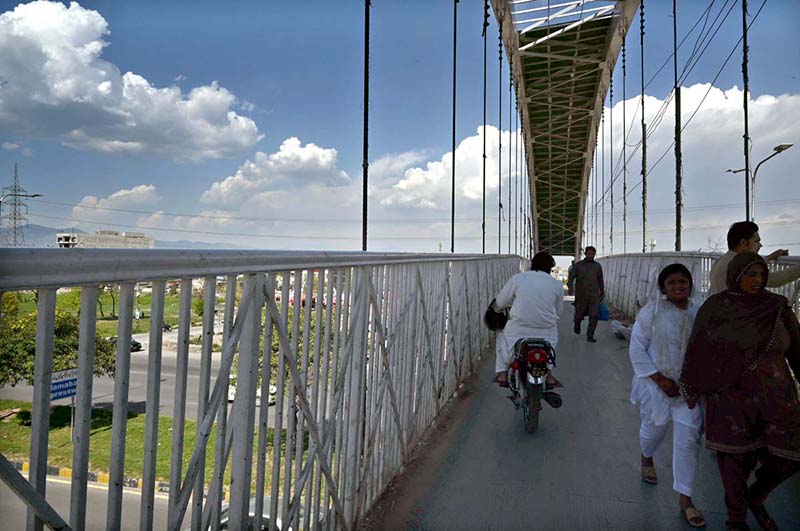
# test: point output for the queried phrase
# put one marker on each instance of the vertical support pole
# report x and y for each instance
(83, 415)
(209, 300)
(500, 135)
(355, 401)
(40, 410)
(485, 37)
(624, 151)
(365, 158)
(453, 161)
(611, 164)
(151, 412)
(678, 161)
(644, 133)
(119, 423)
(746, 98)
(179, 400)
(243, 417)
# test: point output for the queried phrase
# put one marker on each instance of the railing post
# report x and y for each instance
(40, 410)
(355, 401)
(151, 411)
(119, 422)
(83, 412)
(243, 416)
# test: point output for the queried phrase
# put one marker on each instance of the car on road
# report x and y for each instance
(135, 345)
(273, 391)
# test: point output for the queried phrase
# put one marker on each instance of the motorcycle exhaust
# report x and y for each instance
(554, 399)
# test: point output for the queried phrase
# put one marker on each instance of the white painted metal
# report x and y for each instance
(179, 401)
(119, 421)
(83, 407)
(369, 367)
(631, 278)
(40, 410)
(35, 500)
(151, 411)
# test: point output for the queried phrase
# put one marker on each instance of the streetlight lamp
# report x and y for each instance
(780, 148)
(14, 194)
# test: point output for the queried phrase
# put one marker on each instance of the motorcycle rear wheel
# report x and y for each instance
(532, 405)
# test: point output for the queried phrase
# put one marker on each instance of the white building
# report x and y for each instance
(105, 239)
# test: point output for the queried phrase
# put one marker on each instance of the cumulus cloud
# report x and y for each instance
(429, 186)
(58, 85)
(293, 166)
(98, 209)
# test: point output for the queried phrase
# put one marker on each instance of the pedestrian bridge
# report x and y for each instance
(366, 350)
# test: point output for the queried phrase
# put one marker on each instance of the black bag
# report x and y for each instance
(495, 320)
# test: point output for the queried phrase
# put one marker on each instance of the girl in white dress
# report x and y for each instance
(658, 344)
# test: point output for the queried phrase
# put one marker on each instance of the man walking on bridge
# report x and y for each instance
(587, 276)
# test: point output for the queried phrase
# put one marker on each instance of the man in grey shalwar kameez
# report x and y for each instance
(587, 275)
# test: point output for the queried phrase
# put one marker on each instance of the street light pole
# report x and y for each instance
(777, 150)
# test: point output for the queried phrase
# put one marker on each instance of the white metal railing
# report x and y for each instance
(631, 278)
(393, 337)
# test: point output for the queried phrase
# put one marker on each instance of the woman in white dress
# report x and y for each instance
(657, 349)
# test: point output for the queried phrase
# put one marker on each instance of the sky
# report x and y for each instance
(241, 123)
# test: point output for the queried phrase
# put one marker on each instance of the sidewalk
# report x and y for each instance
(579, 471)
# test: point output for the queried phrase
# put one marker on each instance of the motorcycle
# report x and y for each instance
(527, 378)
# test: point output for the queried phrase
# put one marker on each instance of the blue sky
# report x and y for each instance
(295, 70)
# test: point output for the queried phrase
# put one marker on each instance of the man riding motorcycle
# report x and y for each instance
(536, 300)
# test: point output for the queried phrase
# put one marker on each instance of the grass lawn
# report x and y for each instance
(107, 325)
(15, 441)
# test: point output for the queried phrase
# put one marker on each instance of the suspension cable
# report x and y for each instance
(678, 162)
(453, 178)
(365, 158)
(515, 210)
(485, 26)
(500, 135)
(603, 179)
(611, 162)
(746, 83)
(644, 132)
(510, 207)
(624, 149)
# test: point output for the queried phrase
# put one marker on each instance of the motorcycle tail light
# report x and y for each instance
(537, 356)
(515, 365)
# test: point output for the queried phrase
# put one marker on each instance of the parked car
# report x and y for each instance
(224, 516)
(135, 345)
(273, 391)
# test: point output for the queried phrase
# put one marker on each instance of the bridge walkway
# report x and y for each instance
(579, 471)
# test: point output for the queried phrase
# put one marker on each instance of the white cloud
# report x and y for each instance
(179, 78)
(99, 209)
(248, 106)
(58, 85)
(10, 146)
(293, 166)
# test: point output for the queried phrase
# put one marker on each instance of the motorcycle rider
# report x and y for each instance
(536, 300)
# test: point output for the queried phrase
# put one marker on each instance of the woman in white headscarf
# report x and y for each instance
(657, 350)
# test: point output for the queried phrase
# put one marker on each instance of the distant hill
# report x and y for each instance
(42, 236)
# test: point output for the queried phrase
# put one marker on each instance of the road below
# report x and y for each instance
(13, 511)
(103, 387)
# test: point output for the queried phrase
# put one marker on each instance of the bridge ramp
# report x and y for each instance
(579, 471)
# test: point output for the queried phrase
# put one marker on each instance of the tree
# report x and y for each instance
(10, 304)
(18, 347)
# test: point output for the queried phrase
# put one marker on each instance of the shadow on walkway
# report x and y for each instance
(579, 471)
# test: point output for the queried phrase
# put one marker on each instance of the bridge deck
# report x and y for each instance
(579, 471)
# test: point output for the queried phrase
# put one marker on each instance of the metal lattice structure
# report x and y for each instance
(562, 55)
(13, 211)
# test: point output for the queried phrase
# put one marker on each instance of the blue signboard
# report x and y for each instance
(63, 384)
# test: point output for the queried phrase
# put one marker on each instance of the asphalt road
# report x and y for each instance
(103, 387)
(13, 511)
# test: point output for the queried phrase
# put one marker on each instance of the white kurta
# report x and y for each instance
(658, 344)
(536, 300)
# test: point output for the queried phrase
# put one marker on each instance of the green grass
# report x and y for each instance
(69, 301)
(15, 441)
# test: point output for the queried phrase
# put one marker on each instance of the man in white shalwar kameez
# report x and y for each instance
(536, 299)
(657, 350)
